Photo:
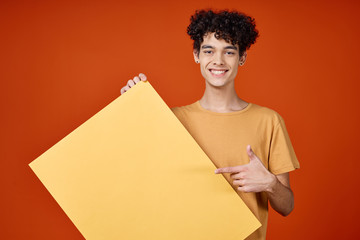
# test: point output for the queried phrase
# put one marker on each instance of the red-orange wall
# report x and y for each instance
(62, 61)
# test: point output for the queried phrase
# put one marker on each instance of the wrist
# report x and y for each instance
(272, 184)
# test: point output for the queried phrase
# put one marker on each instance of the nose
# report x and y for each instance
(218, 59)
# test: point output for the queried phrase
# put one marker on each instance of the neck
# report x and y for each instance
(222, 99)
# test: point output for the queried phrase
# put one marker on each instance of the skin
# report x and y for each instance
(220, 96)
(132, 82)
(254, 177)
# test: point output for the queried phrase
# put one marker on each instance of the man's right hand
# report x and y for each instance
(132, 82)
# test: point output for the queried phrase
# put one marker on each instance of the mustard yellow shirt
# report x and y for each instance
(224, 137)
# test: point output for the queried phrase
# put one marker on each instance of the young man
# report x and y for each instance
(248, 143)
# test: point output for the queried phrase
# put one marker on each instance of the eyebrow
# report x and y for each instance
(231, 47)
(227, 47)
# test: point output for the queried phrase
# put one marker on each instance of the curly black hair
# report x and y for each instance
(232, 26)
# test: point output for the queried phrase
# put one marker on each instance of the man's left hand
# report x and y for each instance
(251, 177)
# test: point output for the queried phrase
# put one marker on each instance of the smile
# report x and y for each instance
(218, 73)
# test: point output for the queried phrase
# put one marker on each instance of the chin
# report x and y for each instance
(217, 83)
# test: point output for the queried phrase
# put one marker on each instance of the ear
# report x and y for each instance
(242, 59)
(196, 56)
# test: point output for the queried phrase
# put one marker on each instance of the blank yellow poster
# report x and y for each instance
(132, 171)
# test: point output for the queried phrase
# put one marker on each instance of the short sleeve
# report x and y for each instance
(282, 156)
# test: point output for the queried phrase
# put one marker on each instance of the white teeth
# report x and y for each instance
(217, 72)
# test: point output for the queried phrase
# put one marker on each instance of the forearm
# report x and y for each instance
(281, 198)
(254, 177)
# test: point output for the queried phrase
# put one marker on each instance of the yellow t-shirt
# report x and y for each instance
(224, 137)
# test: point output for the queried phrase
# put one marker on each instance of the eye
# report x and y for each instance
(230, 53)
(207, 52)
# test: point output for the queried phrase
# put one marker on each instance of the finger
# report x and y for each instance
(239, 183)
(250, 153)
(142, 77)
(126, 88)
(238, 175)
(235, 175)
(130, 83)
(136, 80)
(122, 90)
(244, 189)
(229, 170)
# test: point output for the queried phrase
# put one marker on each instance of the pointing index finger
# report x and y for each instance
(228, 170)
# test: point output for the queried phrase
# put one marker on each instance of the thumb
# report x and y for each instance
(250, 153)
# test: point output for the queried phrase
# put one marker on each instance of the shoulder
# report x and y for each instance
(184, 113)
(265, 113)
(183, 110)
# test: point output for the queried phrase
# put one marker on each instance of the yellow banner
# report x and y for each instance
(132, 171)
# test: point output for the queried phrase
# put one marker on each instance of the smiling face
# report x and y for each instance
(219, 60)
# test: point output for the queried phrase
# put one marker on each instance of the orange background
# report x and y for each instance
(63, 61)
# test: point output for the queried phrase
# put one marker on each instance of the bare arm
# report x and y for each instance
(254, 177)
(281, 197)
